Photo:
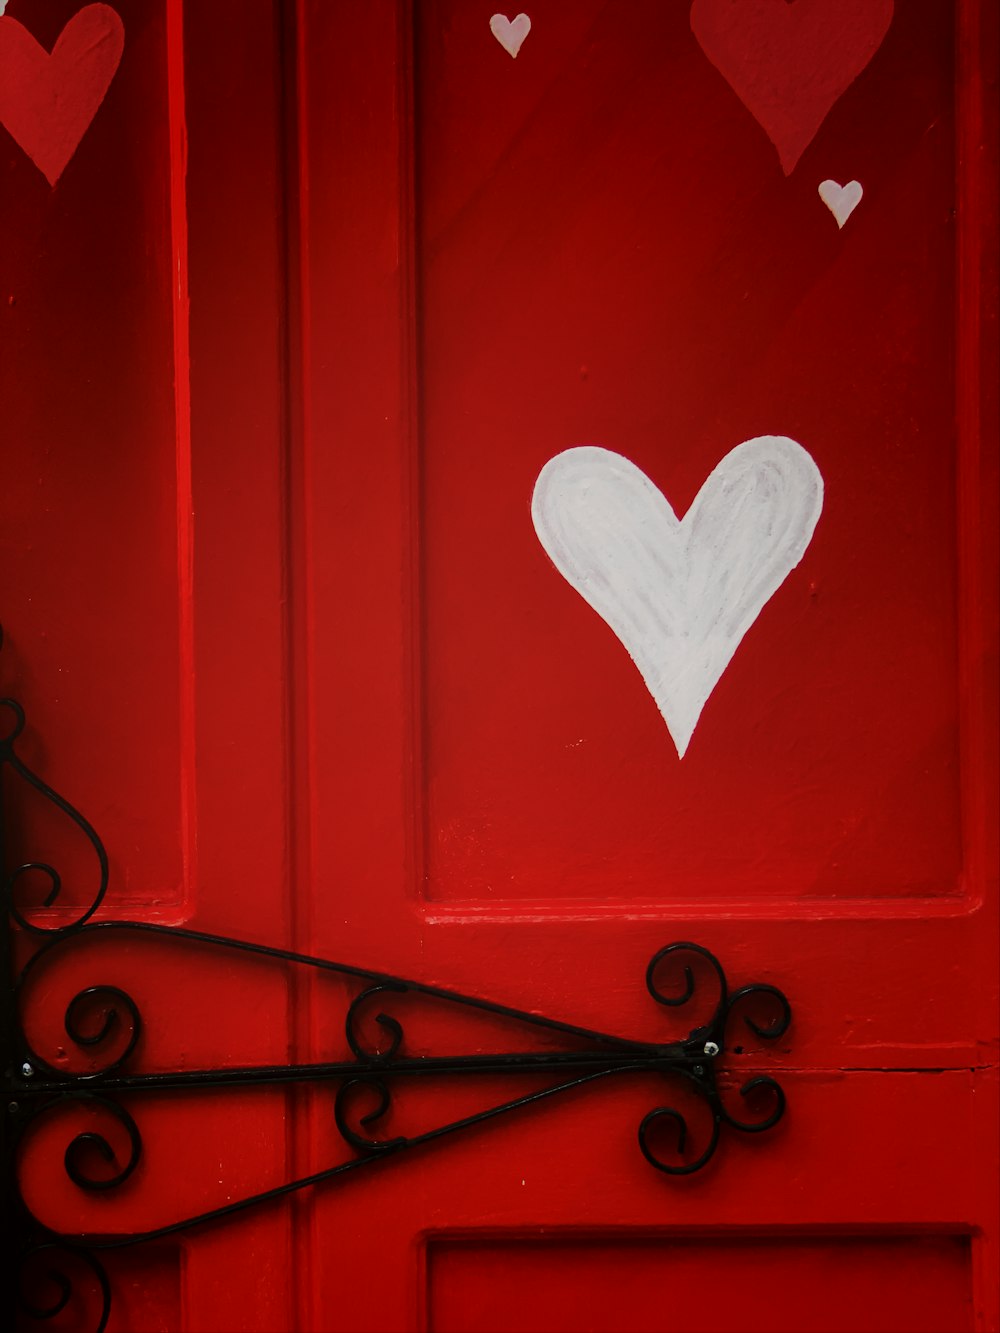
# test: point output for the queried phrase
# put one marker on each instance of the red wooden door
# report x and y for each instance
(288, 343)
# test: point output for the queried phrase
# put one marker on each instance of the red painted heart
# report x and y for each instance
(47, 101)
(788, 62)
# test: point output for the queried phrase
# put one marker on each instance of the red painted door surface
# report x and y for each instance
(323, 288)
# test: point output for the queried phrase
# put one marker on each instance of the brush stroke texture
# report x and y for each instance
(680, 594)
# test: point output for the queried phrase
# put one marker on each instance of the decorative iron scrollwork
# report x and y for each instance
(104, 1022)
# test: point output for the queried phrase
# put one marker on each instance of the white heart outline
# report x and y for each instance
(510, 33)
(679, 594)
(841, 200)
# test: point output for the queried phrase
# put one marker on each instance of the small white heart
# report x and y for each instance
(510, 34)
(679, 593)
(841, 200)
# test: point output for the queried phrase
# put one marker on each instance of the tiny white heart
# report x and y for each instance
(680, 594)
(510, 34)
(841, 200)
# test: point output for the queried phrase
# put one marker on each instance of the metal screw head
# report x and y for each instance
(13, 1108)
(711, 1048)
(27, 1070)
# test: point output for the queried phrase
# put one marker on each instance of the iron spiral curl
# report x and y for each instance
(93, 1016)
(680, 948)
(9, 758)
(777, 1093)
(57, 1258)
(671, 1113)
(778, 1025)
(90, 1141)
(80, 1008)
(346, 1094)
(385, 1021)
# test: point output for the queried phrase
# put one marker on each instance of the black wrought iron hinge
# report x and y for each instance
(378, 1062)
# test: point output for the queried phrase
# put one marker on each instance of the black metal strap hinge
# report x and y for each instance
(105, 1022)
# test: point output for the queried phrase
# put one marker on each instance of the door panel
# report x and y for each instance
(95, 604)
(627, 268)
(891, 1282)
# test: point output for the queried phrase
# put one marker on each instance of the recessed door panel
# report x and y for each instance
(764, 1285)
(609, 254)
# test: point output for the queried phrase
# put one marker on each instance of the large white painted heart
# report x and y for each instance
(510, 33)
(679, 593)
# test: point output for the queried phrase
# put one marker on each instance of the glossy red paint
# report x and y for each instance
(320, 291)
